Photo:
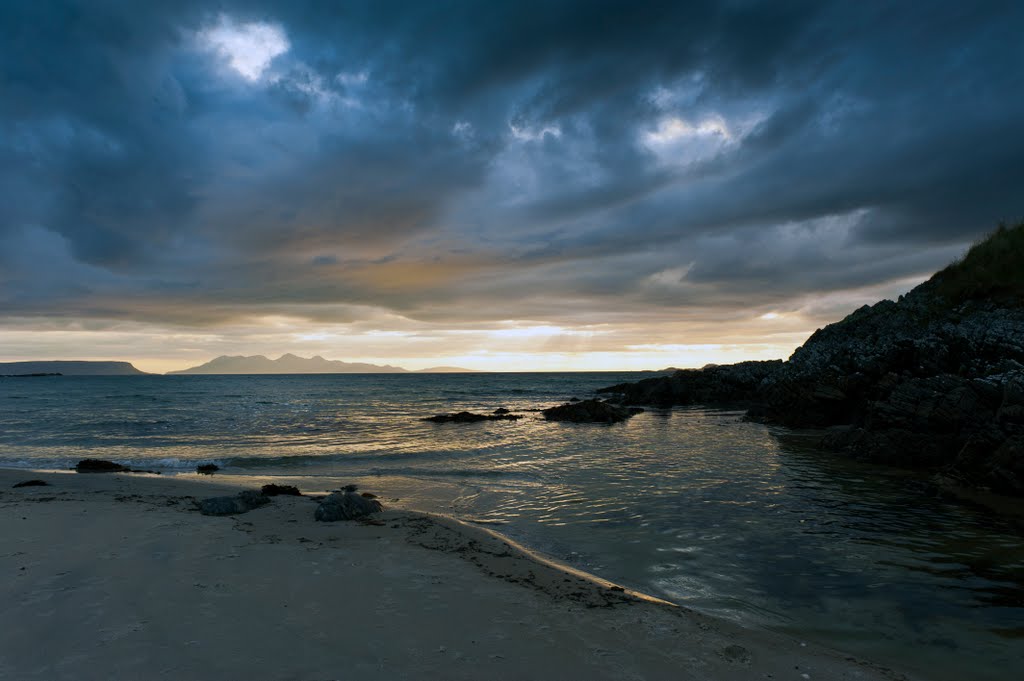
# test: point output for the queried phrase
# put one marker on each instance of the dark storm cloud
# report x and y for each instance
(464, 160)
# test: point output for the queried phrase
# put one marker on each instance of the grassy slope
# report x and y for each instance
(993, 269)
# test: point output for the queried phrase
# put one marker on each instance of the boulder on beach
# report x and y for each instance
(243, 502)
(99, 466)
(470, 417)
(590, 411)
(273, 490)
(346, 504)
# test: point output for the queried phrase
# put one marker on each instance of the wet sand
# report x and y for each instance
(118, 576)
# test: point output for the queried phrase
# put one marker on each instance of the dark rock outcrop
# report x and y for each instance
(243, 502)
(346, 504)
(207, 468)
(731, 384)
(273, 490)
(914, 384)
(933, 381)
(470, 417)
(590, 411)
(31, 483)
(100, 466)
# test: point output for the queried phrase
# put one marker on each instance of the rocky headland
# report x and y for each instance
(933, 381)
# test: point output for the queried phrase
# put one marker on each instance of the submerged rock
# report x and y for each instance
(273, 490)
(243, 502)
(207, 468)
(99, 466)
(32, 483)
(590, 411)
(470, 417)
(346, 504)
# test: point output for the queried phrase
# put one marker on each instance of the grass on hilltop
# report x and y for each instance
(992, 269)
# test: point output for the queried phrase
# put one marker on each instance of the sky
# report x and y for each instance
(495, 185)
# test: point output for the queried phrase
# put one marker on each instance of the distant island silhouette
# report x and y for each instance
(68, 368)
(225, 364)
(293, 364)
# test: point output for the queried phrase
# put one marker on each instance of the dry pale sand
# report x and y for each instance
(117, 576)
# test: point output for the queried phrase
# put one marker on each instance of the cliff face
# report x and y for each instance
(933, 381)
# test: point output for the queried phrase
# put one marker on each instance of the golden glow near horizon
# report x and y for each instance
(533, 347)
(651, 358)
(379, 336)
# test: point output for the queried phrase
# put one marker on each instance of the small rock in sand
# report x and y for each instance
(32, 483)
(273, 490)
(243, 502)
(736, 654)
(345, 504)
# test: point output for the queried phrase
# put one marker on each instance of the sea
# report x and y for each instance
(693, 505)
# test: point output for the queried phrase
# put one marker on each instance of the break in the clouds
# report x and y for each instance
(248, 48)
(567, 184)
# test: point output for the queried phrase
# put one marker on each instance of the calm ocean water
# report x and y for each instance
(692, 505)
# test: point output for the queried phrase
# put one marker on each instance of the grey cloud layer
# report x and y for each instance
(461, 160)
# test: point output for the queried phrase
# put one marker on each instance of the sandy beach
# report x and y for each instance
(118, 576)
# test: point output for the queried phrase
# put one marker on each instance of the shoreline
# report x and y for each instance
(117, 576)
